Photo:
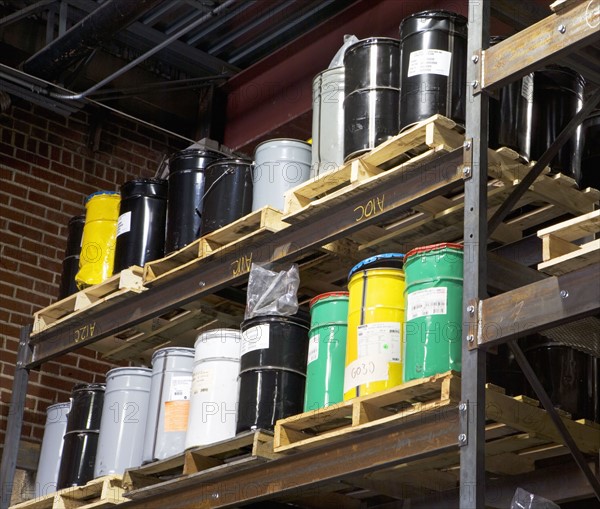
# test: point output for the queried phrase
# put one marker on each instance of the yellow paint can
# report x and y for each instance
(374, 343)
(99, 238)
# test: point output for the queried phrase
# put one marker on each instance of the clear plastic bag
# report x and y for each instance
(338, 59)
(272, 293)
(525, 500)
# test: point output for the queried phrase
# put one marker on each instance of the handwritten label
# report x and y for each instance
(241, 265)
(373, 207)
(365, 370)
(85, 332)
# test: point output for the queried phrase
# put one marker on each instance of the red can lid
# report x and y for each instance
(314, 300)
(432, 247)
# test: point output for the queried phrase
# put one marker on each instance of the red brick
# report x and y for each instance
(20, 256)
(29, 157)
(16, 306)
(40, 248)
(56, 382)
(78, 375)
(14, 190)
(7, 150)
(21, 127)
(38, 300)
(65, 193)
(21, 319)
(94, 366)
(28, 180)
(39, 273)
(45, 288)
(24, 206)
(7, 290)
(41, 391)
(49, 176)
(44, 199)
(10, 330)
(25, 231)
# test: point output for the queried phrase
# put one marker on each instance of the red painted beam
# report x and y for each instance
(275, 94)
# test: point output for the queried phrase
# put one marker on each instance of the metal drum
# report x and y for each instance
(553, 96)
(434, 284)
(371, 94)
(504, 113)
(434, 66)
(326, 351)
(142, 220)
(81, 437)
(186, 188)
(272, 370)
(570, 377)
(121, 441)
(51, 450)
(228, 193)
(590, 156)
(169, 403)
(214, 397)
(99, 237)
(375, 325)
(279, 165)
(70, 264)
(328, 120)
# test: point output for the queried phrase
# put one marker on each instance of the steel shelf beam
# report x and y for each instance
(293, 243)
(548, 40)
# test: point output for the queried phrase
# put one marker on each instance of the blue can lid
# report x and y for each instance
(393, 260)
(98, 193)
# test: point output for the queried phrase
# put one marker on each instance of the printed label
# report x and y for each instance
(124, 223)
(527, 87)
(255, 338)
(202, 381)
(380, 339)
(313, 348)
(176, 415)
(372, 368)
(180, 388)
(429, 61)
(431, 301)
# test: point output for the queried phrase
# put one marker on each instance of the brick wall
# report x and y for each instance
(48, 165)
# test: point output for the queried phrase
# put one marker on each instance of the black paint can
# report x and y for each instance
(70, 264)
(590, 155)
(371, 92)
(433, 66)
(186, 189)
(227, 194)
(81, 437)
(272, 370)
(553, 96)
(142, 221)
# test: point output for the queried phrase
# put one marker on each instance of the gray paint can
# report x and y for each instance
(51, 450)
(280, 165)
(123, 424)
(328, 120)
(169, 403)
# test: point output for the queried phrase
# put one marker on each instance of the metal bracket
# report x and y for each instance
(467, 168)
(476, 86)
(473, 323)
(463, 419)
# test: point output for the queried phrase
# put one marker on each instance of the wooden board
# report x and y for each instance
(96, 494)
(559, 251)
(119, 286)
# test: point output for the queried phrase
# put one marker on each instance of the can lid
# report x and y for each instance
(66, 404)
(230, 160)
(145, 187)
(385, 260)
(99, 193)
(433, 247)
(88, 387)
(321, 296)
(77, 219)
(129, 371)
(290, 141)
(163, 352)
(195, 152)
(437, 13)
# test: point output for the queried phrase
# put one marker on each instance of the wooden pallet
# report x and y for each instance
(561, 254)
(439, 394)
(427, 139)
(252, 444)
(119, 286)
(248, 230)
(96, 494)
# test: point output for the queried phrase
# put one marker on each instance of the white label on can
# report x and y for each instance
(527, 87)
(429, 61)
(313, 348)
(180, 388)
(380, 339)
(124, 223)
(255, 338)
(364, 370)
(202, 380)
(431, 301)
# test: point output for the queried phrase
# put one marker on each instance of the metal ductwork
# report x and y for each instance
(81, 39)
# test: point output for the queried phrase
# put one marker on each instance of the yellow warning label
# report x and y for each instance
(176, 415)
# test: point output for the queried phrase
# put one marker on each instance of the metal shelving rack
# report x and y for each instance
(488, 321)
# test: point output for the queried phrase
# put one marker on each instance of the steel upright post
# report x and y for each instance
(472, 408)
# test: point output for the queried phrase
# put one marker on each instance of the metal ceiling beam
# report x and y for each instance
(79, 41)
(23, 13)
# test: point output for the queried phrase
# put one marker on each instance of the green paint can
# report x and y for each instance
(433, 326)
(326, 351)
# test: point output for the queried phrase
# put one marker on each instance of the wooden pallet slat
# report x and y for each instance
(561, 254)
(99, 493)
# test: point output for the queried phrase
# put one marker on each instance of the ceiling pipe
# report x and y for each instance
(78, 42)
